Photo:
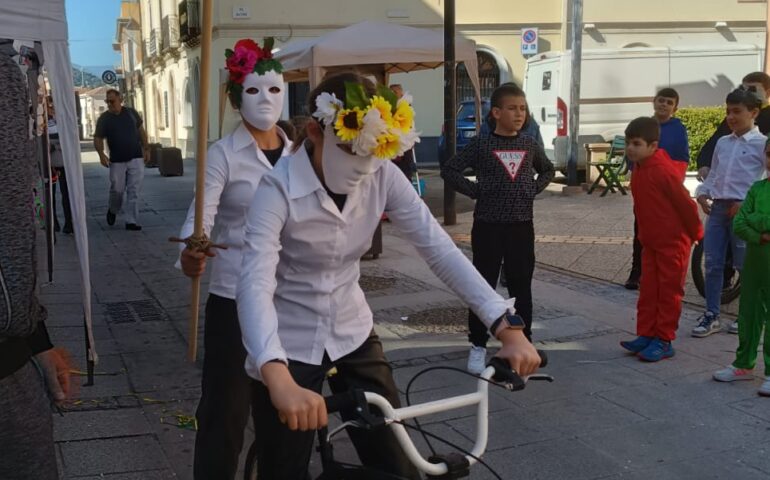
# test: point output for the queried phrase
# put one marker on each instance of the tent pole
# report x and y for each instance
(450, 106)
(200, 174)
(89, 361)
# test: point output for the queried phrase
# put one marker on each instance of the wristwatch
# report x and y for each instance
(507, 320)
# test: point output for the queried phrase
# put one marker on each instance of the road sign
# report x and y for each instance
(529, 38)
(109, 77)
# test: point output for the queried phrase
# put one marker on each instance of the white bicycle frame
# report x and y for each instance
(392, 415)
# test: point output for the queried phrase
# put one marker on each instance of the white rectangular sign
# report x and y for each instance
(529, 40)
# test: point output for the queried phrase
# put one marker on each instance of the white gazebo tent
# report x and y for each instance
(44, 21)
(375, 48)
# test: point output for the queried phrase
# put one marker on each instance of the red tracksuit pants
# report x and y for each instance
(661, 291)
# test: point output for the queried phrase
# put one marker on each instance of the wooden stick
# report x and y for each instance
(200, 155)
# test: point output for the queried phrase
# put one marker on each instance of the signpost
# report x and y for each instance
(109, 77)
(529, 41)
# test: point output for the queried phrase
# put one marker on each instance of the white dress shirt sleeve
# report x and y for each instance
(217, 173)
(409, 214)
(707, 186)
(256, 287)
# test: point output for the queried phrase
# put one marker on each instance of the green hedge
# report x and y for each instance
(700, 122)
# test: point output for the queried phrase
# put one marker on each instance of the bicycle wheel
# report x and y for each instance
(732, 282)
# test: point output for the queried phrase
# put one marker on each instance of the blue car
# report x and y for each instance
(466, 126)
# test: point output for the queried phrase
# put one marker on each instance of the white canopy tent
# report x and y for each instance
(375, 48)
(44, 21)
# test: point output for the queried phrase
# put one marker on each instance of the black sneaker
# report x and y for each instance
(633, 281)
(133, 227)
(67, 230)
(110, 218)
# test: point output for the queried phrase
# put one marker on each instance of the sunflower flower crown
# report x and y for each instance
(248, 57)
(381, 126)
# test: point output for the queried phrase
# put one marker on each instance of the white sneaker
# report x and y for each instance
(733, 328)
(764, 390)
(477, 360)
(731, 374)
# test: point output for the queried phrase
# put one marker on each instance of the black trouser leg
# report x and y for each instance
(285, 454)
(56, 226)
(225, 395)
(636, 259)
(65, 197)
(487, 246)
(519, 248)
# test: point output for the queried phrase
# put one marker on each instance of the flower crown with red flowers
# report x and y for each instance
(248, 57)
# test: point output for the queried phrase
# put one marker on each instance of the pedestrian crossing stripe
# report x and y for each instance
(511, 160)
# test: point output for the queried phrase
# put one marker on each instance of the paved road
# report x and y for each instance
(606, 416)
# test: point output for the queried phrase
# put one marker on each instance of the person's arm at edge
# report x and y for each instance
(544, 168)
(742, 226)
(452, 170)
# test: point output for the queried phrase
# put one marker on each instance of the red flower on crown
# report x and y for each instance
(246, 54)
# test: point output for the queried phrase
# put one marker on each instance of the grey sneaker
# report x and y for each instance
(731, 374)
(764, 390)
(477, 360)
(733, 328)
(708, 323)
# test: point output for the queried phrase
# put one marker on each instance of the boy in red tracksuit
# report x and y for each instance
(668, 225)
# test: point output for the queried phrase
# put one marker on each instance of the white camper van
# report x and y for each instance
(619, 85)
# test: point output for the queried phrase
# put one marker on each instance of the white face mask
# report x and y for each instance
(343, 172)
(262, 99)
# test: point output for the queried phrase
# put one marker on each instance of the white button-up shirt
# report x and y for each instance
(299, 296)
(234, 167)
(738, 162)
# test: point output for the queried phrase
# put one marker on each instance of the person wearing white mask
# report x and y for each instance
(301, 308)
(235, 165)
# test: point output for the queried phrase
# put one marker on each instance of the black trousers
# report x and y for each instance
(285, 454)
(65, 198)
(226, 394)
(515, 243)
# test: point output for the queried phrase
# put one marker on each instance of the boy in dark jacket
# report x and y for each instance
(668, 225)
(510, 170)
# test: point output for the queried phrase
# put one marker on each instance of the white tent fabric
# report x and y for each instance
(376, 48)
(45, 21)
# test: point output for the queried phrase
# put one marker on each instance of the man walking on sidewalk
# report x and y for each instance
(127, 141)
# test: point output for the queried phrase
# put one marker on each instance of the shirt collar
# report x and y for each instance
(302, 178)
(748, 135)
(242, 138)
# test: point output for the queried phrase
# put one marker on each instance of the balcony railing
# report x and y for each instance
(151, 44)
(189, 21)
(169, 32)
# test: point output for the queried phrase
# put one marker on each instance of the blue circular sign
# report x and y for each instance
(109, 77)
(529, 36)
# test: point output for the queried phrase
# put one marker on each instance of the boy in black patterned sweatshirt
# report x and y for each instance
(510, 170)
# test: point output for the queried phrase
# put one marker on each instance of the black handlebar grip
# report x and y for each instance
(543, 358)
(341, 401)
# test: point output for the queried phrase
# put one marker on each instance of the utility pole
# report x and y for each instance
(574, 100)
(450, 106)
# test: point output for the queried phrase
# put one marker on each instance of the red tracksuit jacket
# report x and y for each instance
(666, 215)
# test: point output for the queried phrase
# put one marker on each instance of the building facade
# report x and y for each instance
(171, 36)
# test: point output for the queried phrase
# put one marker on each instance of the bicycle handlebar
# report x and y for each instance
(357, 402)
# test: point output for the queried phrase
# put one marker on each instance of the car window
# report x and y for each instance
(467, 111)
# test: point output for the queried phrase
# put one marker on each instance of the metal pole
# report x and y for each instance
(767, 39)
(450, 106)
(574, 100)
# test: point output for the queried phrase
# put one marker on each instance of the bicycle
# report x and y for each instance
(355, 404)
(732, 277)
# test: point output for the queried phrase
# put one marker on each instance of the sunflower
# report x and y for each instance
(388, 145)
(349, 123)
(403, 119)
(384, 108)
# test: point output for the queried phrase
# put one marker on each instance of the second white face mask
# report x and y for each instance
(262, 99)
(343, 171)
